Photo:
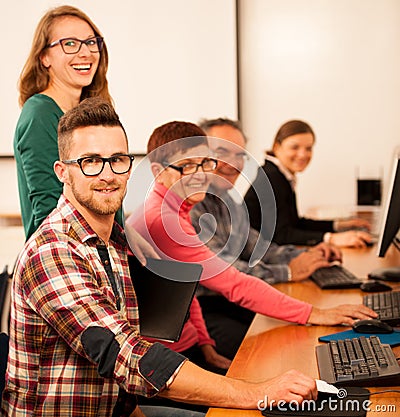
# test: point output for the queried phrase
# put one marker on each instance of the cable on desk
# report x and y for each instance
(392, 391)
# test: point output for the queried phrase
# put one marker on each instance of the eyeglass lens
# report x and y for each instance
(72, 46)
(94, 165)
(206, 165)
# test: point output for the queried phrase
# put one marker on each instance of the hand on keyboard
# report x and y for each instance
(306, 263)
(343, 314)
(329, 252)
(386, 305)
(316, 257)
(351, 238)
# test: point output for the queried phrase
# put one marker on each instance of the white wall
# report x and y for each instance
(9, 203)
(335, 64)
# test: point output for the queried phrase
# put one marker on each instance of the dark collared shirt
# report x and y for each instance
(224, 226)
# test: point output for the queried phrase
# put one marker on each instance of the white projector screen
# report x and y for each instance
(169, 60)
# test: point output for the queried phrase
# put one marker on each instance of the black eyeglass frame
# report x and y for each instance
(99, 43)
(182, 167)
(79, 161)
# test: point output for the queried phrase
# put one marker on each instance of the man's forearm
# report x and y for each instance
(195, 385)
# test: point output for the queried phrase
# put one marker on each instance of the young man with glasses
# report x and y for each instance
(75, 345)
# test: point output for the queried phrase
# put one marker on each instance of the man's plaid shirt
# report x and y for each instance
(70, 348)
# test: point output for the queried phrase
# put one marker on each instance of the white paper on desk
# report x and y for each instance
(323, 386)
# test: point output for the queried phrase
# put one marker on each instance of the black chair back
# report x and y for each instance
(3, 359)
(4, 276)
(4, 282)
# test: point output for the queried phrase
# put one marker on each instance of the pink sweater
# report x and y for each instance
(164, 220)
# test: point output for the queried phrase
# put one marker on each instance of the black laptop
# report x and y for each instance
(164, 290)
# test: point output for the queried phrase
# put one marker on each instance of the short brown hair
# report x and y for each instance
(35, 78)
(290, 128)
(169, 133)
(92, 111)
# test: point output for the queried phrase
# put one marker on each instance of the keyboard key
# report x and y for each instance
(335, 276)
(358, 361)
(386, 305)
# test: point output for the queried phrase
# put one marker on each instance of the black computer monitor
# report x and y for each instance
(390, 225)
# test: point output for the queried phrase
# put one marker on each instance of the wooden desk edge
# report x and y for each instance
(252, 362)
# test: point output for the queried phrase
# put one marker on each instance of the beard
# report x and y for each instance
(100, 206)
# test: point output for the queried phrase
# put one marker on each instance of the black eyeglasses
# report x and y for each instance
(207, 165)
(73, 45)
(94, 165)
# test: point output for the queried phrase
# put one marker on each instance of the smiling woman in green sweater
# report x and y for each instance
(67, 63)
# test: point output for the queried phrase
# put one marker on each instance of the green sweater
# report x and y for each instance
(36, 150)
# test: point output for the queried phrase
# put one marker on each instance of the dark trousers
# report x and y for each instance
(227, 323)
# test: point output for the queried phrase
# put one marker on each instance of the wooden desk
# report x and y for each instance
(10, 219)
(272, 347)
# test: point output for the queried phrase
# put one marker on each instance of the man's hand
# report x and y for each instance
(195, 385)
(290, 386)
(214, 358)
(343, 314)
(306, 263)
(139, 246)
(328, 251)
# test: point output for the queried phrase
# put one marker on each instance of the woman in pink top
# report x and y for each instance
(180, 162)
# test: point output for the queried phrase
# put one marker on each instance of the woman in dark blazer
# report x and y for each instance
(291, 153)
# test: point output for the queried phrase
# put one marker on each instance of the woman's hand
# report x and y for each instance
(214, 358)
(343, 314)
(353, 224)
(138, 245)
(351, 239)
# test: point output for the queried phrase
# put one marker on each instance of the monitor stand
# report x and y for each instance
(391, 273)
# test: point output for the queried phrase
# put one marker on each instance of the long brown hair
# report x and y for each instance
(34, 76)
(290, 128)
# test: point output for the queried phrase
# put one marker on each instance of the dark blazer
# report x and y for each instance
(290, 228)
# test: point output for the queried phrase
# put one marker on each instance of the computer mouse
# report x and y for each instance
(371, 242)
(386, 274)
(372, 326)
(374, 286)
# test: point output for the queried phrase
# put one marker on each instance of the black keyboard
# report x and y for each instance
(386, 304)
(335, 276)
(362, 361)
